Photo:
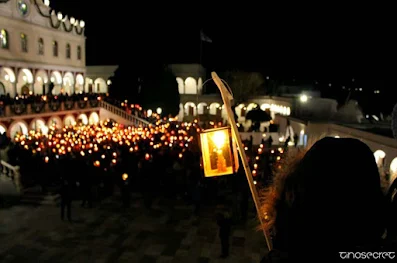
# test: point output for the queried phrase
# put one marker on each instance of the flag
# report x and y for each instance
(204, 37)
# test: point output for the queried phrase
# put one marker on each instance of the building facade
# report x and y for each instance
(38, 47)
(98, 78)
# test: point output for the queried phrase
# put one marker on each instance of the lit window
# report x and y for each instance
(68, 51)
(41, 46)
(55, 48)
(79, 52)
(4, 39)
(23, 7)
(24, 43)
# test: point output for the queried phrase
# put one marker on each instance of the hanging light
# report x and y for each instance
(218, 151)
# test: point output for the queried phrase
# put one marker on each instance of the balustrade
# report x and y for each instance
(11, 173)
(123, 114)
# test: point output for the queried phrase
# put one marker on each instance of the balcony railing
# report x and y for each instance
(44, 104)
(19, 109)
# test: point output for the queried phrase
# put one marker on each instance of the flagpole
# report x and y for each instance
(200, 64)
(201, 48)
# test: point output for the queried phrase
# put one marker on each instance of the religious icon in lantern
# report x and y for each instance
(219, 152)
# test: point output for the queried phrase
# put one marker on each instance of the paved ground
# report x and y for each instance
(109, 233)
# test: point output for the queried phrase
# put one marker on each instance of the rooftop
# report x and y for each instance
(380, 128)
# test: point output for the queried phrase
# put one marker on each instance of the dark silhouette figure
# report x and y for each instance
(86, 193)
(392, 211)
(270, 142)
(296, 138)
(251, 143)
(320, 206)
(224, 223)
(50, 88)
(146, 174)
(125, 193)
(66, 200)
(245, 194)
(86, 185)
(286, 142)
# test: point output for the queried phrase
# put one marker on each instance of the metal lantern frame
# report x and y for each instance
(218, 162)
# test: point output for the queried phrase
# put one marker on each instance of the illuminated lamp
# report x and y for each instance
(124, 176)
(219, 152)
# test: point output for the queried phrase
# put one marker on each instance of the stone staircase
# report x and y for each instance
(35, 197)
(109, 111)
(12, 192)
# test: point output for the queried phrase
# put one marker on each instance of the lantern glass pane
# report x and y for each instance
(217, 153)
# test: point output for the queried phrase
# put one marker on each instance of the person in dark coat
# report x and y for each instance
(296, 140)
(125, 190)
(66, 200)
(224, 222)
(392, 211)
(286, 142)
(86, 184)
(146, 173)
(327, 202)
(270, 142)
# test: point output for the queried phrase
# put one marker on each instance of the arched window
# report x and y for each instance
(4, 39)
(55, 48)
(79, 52)
(24, 43)
(41, 46)
(68, 50)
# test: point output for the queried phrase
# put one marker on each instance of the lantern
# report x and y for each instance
(219, 152)
(124, 176)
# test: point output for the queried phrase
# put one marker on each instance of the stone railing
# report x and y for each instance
(123, 114)
(10, 179)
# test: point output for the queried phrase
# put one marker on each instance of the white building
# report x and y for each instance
(98, 78)
(39, 46)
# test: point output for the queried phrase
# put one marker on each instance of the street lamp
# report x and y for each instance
(149, 112)
(303, 98)
(159, 111)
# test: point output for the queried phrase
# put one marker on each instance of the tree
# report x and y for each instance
(160, 90)
(125, 84)
(244, 84)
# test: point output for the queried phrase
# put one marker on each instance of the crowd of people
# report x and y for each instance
(315, 204)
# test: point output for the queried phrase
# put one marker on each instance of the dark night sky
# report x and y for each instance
(320, 45)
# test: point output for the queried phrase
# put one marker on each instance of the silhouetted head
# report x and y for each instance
(331, 200)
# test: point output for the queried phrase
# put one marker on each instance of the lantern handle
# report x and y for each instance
(227, 98)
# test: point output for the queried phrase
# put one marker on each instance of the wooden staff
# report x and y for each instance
(227, 98)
